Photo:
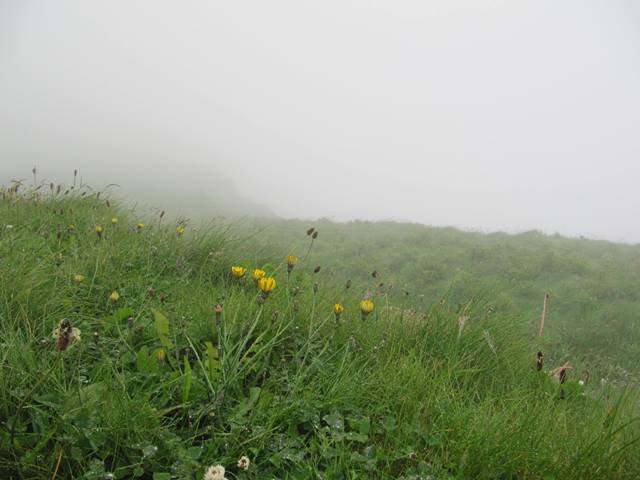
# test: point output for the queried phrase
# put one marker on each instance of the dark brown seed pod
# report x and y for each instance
(539, 361)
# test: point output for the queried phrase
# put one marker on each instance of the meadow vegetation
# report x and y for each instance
(144, 347)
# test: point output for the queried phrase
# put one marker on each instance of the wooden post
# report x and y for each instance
(544, 313)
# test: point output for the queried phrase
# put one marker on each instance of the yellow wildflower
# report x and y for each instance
(78, 278)
(179, 230)
(114, 220)
(257, 274)
(114, 297)
(291, 262)
(366, 307)
(267, 284)
(140, 226)
(238, 272)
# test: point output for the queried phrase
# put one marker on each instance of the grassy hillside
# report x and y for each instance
(188, 366)
(594, 286)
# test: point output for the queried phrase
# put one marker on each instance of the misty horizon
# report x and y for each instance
(486, 116)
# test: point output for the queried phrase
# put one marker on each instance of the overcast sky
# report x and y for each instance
(489, 115)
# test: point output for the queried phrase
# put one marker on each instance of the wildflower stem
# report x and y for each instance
(43, 378)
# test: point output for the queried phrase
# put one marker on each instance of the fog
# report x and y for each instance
(486, 115)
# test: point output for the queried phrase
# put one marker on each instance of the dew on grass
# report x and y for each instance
(149, 450)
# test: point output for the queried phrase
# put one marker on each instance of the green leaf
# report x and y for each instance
(142, 360)
(335, 422)
(212, 362)
(162, 328)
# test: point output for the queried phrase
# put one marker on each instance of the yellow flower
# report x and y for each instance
(114, 297)
(267, 284)
(338, 309)
(140, 226)
(366, 307)
(180, 230)
(114, 220)
(160, 354)
(238, 272)
(72, 226)
(78, 278)
(257, 274)
(99, 229)
(291, 262)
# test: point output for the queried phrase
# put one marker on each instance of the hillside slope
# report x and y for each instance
(157, 382)
(594, 310)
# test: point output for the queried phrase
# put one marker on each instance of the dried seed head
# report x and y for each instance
(317, 269)
(539, 361)
(65, 335)
(315, 235)
(310, 231)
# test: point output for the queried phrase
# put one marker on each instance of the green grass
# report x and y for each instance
(158, 389)
(594, 311)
